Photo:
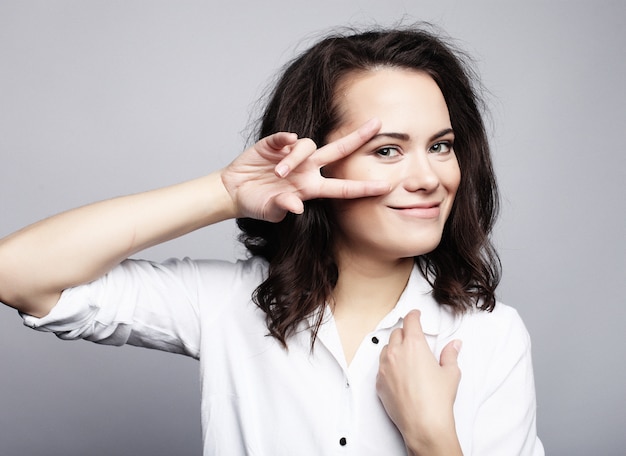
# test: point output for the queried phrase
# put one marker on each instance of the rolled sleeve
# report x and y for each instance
(143, 303)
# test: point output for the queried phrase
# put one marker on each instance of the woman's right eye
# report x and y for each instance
(388, 152)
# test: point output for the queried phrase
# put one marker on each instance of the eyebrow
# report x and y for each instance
(406, 137)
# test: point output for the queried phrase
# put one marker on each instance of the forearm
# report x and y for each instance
(39, 261)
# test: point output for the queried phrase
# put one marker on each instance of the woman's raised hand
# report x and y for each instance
(280, 172)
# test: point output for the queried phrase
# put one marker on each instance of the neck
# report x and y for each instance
(365, 286)
(366, 291)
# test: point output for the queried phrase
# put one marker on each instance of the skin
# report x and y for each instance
(413, 151)
(378, 237)
(268, 180)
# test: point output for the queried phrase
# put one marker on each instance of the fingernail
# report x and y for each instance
(282, 170)
(457, 344)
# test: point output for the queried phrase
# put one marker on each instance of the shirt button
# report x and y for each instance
(343, 441)
(375, 340)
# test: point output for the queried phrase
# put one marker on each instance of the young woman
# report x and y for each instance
(366, 209)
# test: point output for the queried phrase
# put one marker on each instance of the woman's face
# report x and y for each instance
(413, 151)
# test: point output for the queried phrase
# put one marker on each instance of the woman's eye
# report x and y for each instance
(441, 148)
(388, 152)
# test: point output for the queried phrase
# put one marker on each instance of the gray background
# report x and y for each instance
(101, 98)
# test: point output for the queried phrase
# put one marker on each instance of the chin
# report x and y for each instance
(424, 247)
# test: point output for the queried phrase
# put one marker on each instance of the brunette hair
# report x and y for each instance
(464, 269)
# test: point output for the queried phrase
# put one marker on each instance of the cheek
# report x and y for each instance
(452, 185)
(451, 177)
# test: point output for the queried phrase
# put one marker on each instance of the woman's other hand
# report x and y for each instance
(418, 392)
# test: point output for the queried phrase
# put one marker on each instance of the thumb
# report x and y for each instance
(450, 354)
(278, 140)
(289, 202)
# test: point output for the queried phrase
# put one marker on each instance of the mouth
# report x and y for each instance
(424, 210)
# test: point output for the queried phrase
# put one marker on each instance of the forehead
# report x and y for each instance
(403, 99)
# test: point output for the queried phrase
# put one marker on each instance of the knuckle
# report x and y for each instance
(307, 143)
(346, 191)
(393, 354)
(342, 149)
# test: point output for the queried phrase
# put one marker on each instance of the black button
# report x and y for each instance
(343, 441)
(375, 339)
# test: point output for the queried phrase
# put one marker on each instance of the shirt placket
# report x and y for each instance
(342, 436)
(345, 422)
(345, 435)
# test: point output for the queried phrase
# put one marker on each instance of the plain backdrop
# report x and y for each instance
(103, 98)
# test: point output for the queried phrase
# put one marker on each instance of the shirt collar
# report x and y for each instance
(435, 318)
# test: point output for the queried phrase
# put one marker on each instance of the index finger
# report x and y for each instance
(412, 326)
(345, 145)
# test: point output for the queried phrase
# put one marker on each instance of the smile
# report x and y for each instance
(425, 211)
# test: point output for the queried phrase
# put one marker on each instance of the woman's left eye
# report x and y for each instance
(441, 147)
(388, 152)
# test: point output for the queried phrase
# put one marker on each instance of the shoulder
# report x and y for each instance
(250, 269)
(494, 342)
(503, 322)
(497, 335)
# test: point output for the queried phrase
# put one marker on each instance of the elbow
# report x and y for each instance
(23, 297)
(18, 290)
(35, 306)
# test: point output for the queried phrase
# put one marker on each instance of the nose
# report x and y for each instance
(419, 174)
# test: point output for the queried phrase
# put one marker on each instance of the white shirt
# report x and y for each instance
(260, 399)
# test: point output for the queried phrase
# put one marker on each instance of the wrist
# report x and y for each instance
(434, 443)
(219, 203)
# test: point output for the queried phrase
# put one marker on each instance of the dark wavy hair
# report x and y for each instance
(464, 269)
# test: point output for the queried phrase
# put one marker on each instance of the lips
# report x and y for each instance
(422, 210)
